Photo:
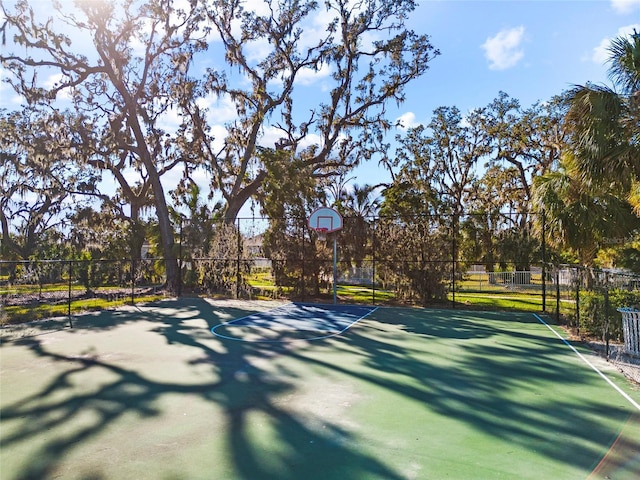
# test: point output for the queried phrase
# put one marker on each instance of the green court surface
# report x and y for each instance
(152, 393)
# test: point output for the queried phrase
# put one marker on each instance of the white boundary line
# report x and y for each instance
(322, 337)
(618, 389)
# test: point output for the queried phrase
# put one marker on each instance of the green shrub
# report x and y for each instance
(593, 315)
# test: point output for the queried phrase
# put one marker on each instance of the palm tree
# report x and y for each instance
(363, 201)
(360, 206)
(579, 215)
(606, 122)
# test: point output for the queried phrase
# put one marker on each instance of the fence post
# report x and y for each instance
(606, 314)
(578, 278)
(558, 295)
(453, 261)
(544, 262)
(133, 281)
(39, 278)
(69, 296)
(335, 268)
(302, 269)
(373, 262)
(180, 261)
(238, 259)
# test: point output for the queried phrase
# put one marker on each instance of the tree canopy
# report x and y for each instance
(162, 119)
(128, 67)
(607, 121)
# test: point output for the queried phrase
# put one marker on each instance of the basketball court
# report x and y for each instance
(201, 389)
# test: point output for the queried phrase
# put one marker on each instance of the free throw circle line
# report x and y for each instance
(321, 337)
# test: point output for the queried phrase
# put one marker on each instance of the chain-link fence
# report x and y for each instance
(457, 261)
(58, 288)
(588, 299)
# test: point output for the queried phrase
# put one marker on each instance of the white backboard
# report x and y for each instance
(325, 217)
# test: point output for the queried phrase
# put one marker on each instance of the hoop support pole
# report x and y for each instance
(335, 269)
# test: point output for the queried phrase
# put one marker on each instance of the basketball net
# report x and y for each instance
(322, 234)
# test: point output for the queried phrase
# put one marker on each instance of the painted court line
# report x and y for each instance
(618, 389)
(284, 308)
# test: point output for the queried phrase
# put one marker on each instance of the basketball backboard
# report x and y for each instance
(325, 218)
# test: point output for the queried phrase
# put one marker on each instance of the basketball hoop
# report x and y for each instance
(322, 234)
(325, 220)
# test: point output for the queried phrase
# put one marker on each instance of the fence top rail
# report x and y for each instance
(28, 262)
(79, 260)
(120, 260)
(395, 217)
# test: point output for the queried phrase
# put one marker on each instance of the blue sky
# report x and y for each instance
(532, 50)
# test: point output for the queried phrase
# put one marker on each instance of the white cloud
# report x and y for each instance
(308, 76)
(625, 6)
(271, 134)
(406, 121)
(219, 110)
(55, 80)
(310, 140)
(219, 133)
(169, 121)
(503, 49)
(7, 95)
(464, 123)
(257, 50)
(601, 54)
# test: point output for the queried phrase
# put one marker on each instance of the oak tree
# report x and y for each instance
(122, 65)
(361, 53)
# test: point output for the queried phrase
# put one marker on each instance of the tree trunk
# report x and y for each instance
(166, 236)
(137, 233)
(164, 224)
(237, 201)
(162, 210)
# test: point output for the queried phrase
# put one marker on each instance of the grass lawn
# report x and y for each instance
(30, 312)
(263, 288)
(506, 301)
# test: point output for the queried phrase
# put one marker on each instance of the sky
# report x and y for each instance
(530, 49)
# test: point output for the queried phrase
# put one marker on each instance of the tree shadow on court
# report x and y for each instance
(92, 391)
(104, 319)
(515, 384)
(305, 446)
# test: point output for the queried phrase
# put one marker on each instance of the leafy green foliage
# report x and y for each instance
(580, 215)
(290, 194)
(599, 315)
(606, 123)
(413, 258)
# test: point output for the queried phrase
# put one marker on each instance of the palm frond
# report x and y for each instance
(624, 62)
(634, 197)
(603, 123)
